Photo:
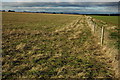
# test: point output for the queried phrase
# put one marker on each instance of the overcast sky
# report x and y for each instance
(60, 0)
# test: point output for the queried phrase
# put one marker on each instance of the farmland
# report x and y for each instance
(51, 46)
(109, 19)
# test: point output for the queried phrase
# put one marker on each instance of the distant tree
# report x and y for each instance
(61, 13)
(3, 10)
(11, 11)
(54, 12)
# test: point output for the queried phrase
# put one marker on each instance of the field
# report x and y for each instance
(51, 46)
(109, 19)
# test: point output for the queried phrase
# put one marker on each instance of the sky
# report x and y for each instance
(60, 0)
(64, 7)
(76, 6)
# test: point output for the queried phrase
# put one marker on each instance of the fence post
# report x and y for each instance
(102, 35)
(93, 26)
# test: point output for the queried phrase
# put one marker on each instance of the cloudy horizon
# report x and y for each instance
(65, 7)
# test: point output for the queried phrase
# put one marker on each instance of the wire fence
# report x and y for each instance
(101, 31)
(98, 29)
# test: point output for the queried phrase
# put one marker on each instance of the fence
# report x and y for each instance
(101, 30)
(97, 27)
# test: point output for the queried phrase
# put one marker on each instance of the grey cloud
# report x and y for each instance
(63, 4)
(78, 7)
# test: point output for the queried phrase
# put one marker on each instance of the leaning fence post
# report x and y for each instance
(102, 35)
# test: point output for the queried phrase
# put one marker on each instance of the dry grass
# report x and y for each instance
(50, 46)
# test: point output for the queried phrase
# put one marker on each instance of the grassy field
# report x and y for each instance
(51, 46)
(109, 19)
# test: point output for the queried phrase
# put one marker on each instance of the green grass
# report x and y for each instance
(109, 19)
(50, 46)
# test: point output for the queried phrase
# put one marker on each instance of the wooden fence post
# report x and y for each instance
(102, 35)
(93, 26)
